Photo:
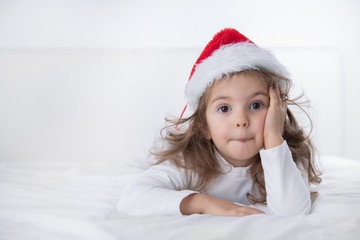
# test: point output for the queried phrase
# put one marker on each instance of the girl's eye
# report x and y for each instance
(224, 109)
(256, 105)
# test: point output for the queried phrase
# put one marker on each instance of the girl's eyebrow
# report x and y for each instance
(251, 96)
(266, 94)
(219, 98)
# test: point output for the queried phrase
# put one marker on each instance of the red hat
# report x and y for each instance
(229, 51)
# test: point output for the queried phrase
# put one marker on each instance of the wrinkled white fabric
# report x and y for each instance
(76, 200)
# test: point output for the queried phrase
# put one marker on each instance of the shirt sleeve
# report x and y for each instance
(158, 191)
(287, 190)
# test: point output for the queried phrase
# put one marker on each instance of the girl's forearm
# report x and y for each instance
(192, 204)
(203, 204)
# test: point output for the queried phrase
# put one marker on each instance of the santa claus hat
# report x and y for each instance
(229, 51)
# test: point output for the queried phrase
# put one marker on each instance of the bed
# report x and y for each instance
(69, 142)
(64, 200)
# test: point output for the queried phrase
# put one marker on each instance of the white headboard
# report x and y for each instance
(85, 105)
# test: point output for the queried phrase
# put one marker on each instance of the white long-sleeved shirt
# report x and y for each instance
(161, 188)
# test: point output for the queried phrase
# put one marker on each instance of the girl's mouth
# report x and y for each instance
(243, 140)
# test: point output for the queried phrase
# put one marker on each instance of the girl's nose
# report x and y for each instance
(241, 120)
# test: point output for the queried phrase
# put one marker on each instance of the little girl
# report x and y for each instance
(241, 152)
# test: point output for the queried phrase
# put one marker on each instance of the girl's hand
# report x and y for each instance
(204, 204)
(275, 119)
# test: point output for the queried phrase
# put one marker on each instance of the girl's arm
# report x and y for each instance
(287, 192)
(203, 204)
(158, 191)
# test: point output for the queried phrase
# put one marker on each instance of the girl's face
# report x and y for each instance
(235, 116)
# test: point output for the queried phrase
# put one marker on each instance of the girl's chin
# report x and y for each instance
(242, 160)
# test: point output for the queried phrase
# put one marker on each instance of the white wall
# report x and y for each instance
(71, 71)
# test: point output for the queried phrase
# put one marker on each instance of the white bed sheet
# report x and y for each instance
(76, 201)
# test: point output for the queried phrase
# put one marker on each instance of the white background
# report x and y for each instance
(92, 80)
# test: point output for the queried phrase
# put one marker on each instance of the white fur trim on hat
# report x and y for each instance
(226, 60)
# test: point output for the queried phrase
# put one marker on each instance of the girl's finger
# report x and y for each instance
(274, 96)
(282, 98)
(277, 91)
